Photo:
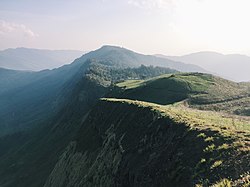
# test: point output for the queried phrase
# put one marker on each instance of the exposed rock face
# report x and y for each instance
(122, 144)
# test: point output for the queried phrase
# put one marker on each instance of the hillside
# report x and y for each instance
(202, 91)
(25, 96)
(28, 98)
(42, 112)
(234, 66)
(36, 59)
(136, 143)
(52, 120)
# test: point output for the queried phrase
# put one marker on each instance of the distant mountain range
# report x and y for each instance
(234, 66)
(39, 59)
(36, 59)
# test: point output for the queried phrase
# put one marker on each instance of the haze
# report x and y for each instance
(171, 27)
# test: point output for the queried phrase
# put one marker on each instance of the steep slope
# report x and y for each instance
(28, 98)
(27, 157)
(28, 162)
(36, 59)
(41, 112)
(132, 143)
(10, 79)
(202, 91)
(233, 66)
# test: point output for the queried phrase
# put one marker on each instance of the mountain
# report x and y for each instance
(127, 58)
(36, 150)
(42, 111)
(135, 143)
(132, 143)
(25, 96)
(56, 132)
(138, 143)
(36, 59)
(234, 66)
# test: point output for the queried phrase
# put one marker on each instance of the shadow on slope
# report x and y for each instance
(140, 144)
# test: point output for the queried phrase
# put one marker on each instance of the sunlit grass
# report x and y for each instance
(129, 84)
(234, 130)
(201, 91)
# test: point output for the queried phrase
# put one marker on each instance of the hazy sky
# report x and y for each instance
(169, 27)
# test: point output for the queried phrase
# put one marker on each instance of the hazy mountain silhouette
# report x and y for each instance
(234, 66)
(36, 59)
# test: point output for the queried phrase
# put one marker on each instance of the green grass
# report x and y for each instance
(165, 89)
(205, 104)
(192, 82)
(226, 125)
(129, 84)
(220, 133)
(201, 91)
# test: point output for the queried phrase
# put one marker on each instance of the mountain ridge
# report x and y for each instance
(230, 66)
(137, 143)
(36, 59)
(54, 112)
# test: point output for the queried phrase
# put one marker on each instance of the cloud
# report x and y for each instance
(8, 28)
(151, 4)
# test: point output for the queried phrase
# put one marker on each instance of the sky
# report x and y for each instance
(170, 27)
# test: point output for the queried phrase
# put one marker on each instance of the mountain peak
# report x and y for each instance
(111, 47)
(122, 57)
(108, 48)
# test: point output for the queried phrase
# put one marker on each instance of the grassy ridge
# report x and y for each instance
(137, 143)
(196, 118)
(38, 149)
(202, 91)
(227, 140)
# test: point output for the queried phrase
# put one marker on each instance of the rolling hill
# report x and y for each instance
(202, 91)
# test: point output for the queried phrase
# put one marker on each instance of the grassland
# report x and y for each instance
(201, 91)
(206, 104)
(227, 139)
(194, 118)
